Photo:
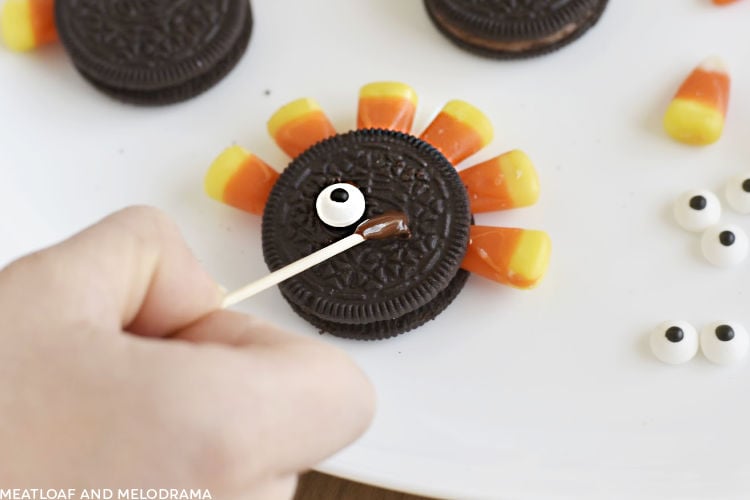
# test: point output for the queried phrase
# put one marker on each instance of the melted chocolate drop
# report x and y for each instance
(385, 226)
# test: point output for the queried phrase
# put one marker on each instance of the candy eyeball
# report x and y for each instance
(724, 342)
(737, 192)
(340, 205)
(724, 245)
(697, 210)
(674, 342)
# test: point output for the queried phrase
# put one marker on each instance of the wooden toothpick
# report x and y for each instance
(383, 226)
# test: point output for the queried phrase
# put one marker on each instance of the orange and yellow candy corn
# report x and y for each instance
(240, 179)
(298, 125)
(515, 257)
(387, 105)
(504, 182)
(696, 114)
(27, 24)
(458, 131)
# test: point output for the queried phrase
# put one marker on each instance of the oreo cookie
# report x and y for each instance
(154, 52)
(511, 29)
(380, 288)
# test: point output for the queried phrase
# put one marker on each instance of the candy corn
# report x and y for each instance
(388, 105)
(458, 131)
(298, 125)
(240, 179)
(515, 257)
(506, 181)
(27, 24)
(723, 2)
(696, 114)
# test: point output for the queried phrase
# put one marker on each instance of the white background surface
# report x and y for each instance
(547, 394)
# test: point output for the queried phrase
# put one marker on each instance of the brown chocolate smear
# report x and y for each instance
(388, 225)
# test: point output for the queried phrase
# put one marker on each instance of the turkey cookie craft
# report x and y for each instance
(336, 181)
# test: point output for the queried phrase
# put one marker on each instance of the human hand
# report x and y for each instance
(117, 370)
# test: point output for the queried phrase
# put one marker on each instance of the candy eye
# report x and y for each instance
(674, 342)
(737, 193)
(697, 210)
(724, 343)
(724, 245)
(340, 205)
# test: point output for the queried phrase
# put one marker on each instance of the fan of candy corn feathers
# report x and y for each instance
(511, 256)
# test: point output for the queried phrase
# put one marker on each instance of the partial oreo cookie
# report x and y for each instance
(379, 288)
(511, 29)
(155, 52)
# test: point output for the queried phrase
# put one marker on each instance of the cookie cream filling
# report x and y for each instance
(513, 45)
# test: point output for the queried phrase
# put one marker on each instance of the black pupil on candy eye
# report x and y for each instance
(725, 333)
(339, 195)
(726, 238)
(746, 186)
(697, 202)
(675, 334)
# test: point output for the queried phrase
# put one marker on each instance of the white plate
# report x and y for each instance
(507, 394)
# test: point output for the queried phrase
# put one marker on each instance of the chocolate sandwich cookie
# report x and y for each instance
(351, 195)
(155, 52)
(381, 287)
(511, 29)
